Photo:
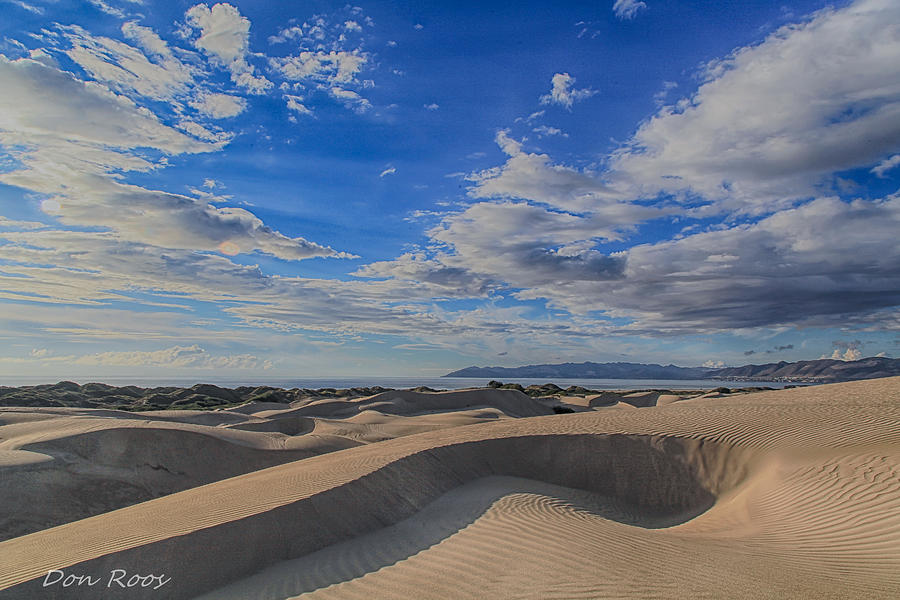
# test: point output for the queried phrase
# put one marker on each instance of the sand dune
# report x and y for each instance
(64, 464)
(783, 494)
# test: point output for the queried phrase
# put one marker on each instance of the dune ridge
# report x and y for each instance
(793, 490)
(61, 464)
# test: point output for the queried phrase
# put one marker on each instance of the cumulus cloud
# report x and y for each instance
(320, 66)
(774, 120)
(42, 104)
(847, 351)
(562, 92)
(296, 103)
(779, 271)
(326, 58)
(849, 355)
(224, 37)
(628, 9)
(14, 224)
(534, 177)
(417, 269)
(525, 246)
(147, 39)
(127, 69)
(219, 106)
(350, 99)
(886, 165)
(72, 135)
(544, 130)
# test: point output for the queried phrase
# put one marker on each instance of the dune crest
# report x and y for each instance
(776, 494)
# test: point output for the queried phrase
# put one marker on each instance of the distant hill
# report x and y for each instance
(825, 369)
(809, 371)
(587, 370)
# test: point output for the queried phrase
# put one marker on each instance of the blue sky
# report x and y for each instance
(318, 189)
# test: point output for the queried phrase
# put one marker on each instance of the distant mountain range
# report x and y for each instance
(808, 371)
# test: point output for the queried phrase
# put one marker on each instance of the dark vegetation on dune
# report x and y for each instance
(205, 396)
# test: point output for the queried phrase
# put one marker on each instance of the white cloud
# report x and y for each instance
(350, 99)
(562, 92)
(388, 171)
(179, 357)
(38, 10)
(432, 106)
(533, 177)
(110, 10)
(224, 36)
(781, 270)
(886, 165)
(13, 224)
(714, 364)
(525, 246)
(530, 119)
(41, 104)
(326, 58)
(73, 135)
(660, 97)
(847, 351)
(778, 272)
(775, 119)
(219, 106)
(125, 68)
(296, 103)
(849, 355)
(544, 130)
(224, 32)
(320, 66)
(146, 38)
(628, 9)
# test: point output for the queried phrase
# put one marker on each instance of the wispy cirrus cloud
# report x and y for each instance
(175, 357)
(628, 9)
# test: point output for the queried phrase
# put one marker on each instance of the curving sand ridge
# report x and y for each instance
(59, 465)
(791, 493)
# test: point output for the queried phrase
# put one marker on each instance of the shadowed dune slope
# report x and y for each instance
(60, 464)
(779, 494)
(406, 403)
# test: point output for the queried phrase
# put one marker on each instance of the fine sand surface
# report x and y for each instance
(481, 494)
(63, 464)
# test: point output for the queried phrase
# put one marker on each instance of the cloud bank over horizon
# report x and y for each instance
(169, 192)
